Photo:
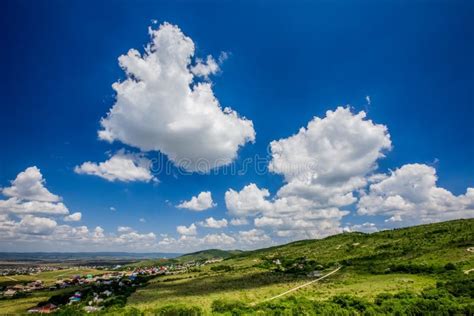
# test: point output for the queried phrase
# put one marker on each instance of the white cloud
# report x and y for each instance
(249, 201)
(133, 237)
(322, 165)
(239, 221)
(186, 243)
(366, 227)
(142, 220)
(98, 233)
(331, 151)
(112, 208)
(254, 237)
(75, 217)
(30, 224)
(205, 68)
(290, 216)
(221, 239)
(17, 206)
(187, 231)
(29, 185)
(214, 223)
(268, 222)
(409, 195)
(198, 203)
(124, 229)
(250, 239)
(120, 167)
(28, 195)
(162, 106)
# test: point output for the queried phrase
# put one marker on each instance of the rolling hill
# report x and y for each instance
(388, 272)
(208, 254)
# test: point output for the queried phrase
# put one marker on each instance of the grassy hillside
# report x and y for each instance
(376, 268)
(195, 256)
(208, 254)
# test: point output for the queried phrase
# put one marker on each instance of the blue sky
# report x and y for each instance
(285, 64)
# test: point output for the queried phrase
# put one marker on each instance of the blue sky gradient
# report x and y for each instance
(288, 62)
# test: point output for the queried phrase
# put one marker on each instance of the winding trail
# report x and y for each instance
(300, 286)
(13, 279)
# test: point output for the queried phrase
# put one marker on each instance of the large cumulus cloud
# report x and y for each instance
(410, 195)
(322, 165)
(162, 105)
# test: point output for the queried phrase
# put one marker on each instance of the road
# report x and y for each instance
(300, 286)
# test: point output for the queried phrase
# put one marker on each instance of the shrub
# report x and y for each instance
(223, 306)
(222, 268)
(178, 310)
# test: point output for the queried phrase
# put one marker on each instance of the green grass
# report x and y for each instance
(368, 261)
(195, 256)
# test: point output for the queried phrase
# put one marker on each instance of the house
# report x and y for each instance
(91, 309)
(75, 298)
(9, 292)
(46, 309)
(18, 287)
(107, 293)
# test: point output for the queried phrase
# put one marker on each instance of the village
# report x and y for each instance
(94, 292)
(27, 269)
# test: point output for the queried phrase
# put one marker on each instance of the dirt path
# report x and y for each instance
(9, 277)
(468, 271)
(299, 286)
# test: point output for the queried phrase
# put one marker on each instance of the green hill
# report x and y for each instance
(202, 255)
(429, 245)
(404, 271)
(208, 254)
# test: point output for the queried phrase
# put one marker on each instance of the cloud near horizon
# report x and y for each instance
(330, 165)
(322, 165)
(32, 214)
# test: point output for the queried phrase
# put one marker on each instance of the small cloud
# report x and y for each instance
(75, 217)
(223, 57)
(367, 98)
(124, 229)
(112, 209)
(238, 221)
(198, 203)
(122, 166)
(187, 231)
(213, 223)
(142, 220)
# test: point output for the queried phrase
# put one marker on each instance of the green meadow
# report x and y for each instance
(382, 273)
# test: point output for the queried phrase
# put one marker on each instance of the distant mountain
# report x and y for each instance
(73, 256)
